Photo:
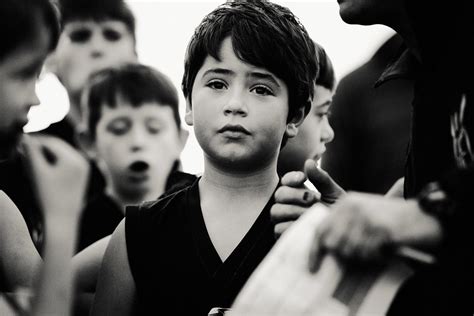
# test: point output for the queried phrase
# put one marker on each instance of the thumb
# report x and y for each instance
(322, 181)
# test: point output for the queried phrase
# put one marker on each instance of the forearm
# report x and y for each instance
(54, 290)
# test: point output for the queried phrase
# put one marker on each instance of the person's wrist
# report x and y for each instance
(416, 228)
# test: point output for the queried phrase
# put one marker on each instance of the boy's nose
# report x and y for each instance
(32, 98)
(97, 45)
(137, 141)
(235, 106)
(327, 134)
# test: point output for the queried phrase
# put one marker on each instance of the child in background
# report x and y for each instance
(29, 32)
(303, 152)
(315, 132)
(248, 82)
(132, 130)
(96, 35)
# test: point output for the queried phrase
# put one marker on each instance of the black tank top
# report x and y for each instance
(176, 269)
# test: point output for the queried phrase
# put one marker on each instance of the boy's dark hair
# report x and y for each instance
(326, 76)
(132, 83)
(20, 19)
(97, 10)
(263, 34)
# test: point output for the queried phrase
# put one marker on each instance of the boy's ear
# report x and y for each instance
(87, 144)
(188, 116)
(297, 120)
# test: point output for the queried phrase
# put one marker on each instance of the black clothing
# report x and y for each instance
(63, 130)
(98, 220)
(176, 269)
(102, 214)
(372, 126)
(439, 150)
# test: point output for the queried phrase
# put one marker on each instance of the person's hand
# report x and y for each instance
(60, 175)
(292, 199)
(369, 228)
(329, 190)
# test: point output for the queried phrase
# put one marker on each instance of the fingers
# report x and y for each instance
(283, 212)
(297, 196)
(281, 228)
(283, 215)
(350, 235)
(293, 179)
(330, 190)
(317, 252)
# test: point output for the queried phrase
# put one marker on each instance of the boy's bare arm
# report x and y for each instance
(86, 265)
(116, 288)
(19, 259)
(60, 176)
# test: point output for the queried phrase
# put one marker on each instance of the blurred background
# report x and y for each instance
(165, 27)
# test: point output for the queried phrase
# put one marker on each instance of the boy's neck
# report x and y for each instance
(124, 201)
(74, 114)
(240, 181)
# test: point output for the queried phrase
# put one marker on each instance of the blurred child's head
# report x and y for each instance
(132, 128)
(315, 132)
(250, 65)
(96, 34)
(29, 31)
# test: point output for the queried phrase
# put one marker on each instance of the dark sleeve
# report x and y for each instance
(459, 185)
(133, 241)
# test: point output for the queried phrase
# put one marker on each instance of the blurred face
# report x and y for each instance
(136, 148)
(18, 74)
(313, 134)
(88, 46)
(238, 111)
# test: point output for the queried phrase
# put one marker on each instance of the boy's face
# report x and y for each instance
(137, 147)
(18, 74)
(238, 111)
(313, 134)
(88, 46)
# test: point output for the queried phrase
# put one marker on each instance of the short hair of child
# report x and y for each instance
(263, 34)
(135, 84)
(20, 20)
(98, 10)
(326, 76)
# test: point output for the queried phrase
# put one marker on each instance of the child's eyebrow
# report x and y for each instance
(221, 71)
(327, 103)
(265, 76)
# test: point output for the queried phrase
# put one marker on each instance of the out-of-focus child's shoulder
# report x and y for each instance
(165, 205)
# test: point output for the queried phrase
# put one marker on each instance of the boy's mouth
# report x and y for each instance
(234, 129)
(139, 166)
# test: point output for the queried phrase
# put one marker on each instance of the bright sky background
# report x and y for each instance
(165, 27)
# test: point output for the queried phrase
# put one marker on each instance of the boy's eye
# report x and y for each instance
(323, 114)
(153, 127)
(262, 90)
(80, 35)
(111, 35)
(119, 127)
(32, 71)
(216, 84)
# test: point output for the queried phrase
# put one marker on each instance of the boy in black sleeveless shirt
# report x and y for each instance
(248, 82)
